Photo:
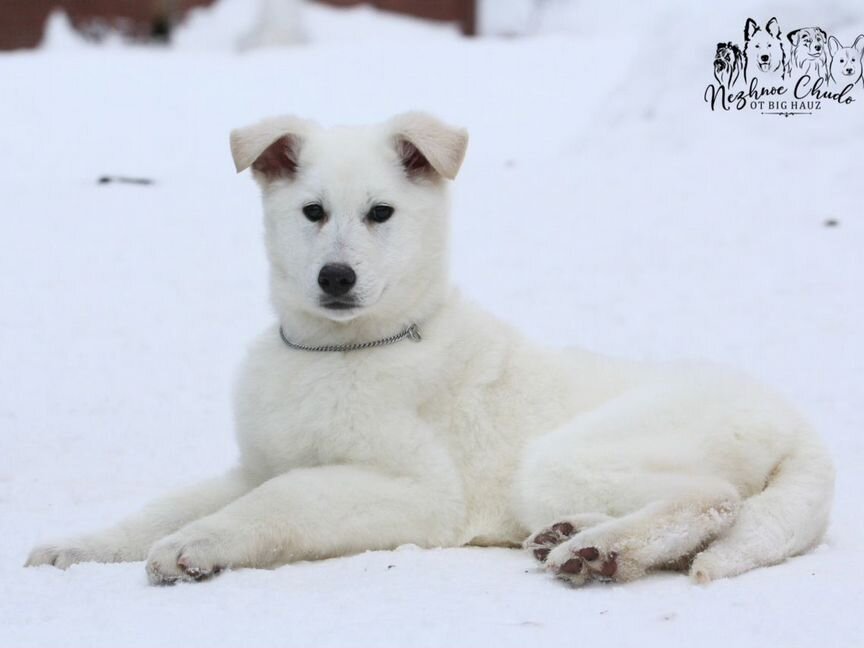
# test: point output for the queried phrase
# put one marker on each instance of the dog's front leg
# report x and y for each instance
(312, 513)
(132, 538)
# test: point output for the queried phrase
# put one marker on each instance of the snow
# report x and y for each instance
(602, 203)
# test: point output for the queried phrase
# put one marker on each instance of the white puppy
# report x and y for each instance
(457, 431)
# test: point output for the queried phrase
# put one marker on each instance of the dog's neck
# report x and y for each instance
(309, 329)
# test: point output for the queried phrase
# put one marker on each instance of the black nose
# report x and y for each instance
(817, 47)
(336, 279)
(764, 57)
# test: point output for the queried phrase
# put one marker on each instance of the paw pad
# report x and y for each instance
(543, 542)
(193, 571)
(588, 563)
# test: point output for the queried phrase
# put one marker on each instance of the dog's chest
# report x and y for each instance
(320, 409)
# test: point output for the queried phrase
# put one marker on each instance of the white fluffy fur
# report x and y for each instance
(472, 436)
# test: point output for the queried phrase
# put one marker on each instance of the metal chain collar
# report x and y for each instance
(410, 332)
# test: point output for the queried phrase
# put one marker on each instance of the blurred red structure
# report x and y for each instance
(22, 22)
(463, 12)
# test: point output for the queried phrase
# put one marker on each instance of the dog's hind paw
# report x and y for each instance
(585, 564)
(542, 542)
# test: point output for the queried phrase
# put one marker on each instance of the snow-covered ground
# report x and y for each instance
(602, 204)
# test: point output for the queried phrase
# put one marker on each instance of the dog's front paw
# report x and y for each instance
(65, 553)
(184, 557)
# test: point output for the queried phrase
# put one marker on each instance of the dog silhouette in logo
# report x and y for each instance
(764, 52)
(728, 63)
(808, 53)
(845, 67)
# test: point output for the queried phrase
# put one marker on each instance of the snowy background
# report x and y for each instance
(601, 203)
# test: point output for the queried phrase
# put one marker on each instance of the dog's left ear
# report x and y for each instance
(426, 145)
(773, 27)
(794, 36)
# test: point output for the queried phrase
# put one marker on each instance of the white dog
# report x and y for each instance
(764, 53)
(383, 409)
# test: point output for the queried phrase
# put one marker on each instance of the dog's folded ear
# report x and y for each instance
(271, 147)
(427, 146)
(794, 36)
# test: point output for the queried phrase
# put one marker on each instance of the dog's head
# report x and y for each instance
(846, 61)
(726, 58)
(809, 42)
(763, 47)
(356, 217)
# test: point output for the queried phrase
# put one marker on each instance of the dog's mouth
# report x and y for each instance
(346, 307)
(339, 304)
(765, 66)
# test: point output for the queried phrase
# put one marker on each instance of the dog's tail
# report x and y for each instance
(787, 518)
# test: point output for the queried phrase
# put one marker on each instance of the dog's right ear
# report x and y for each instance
(833, 45)
(794, 37)
(750, 28)
(271, 147)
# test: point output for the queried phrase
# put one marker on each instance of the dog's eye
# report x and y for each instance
(313, 212)
(380, 213)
